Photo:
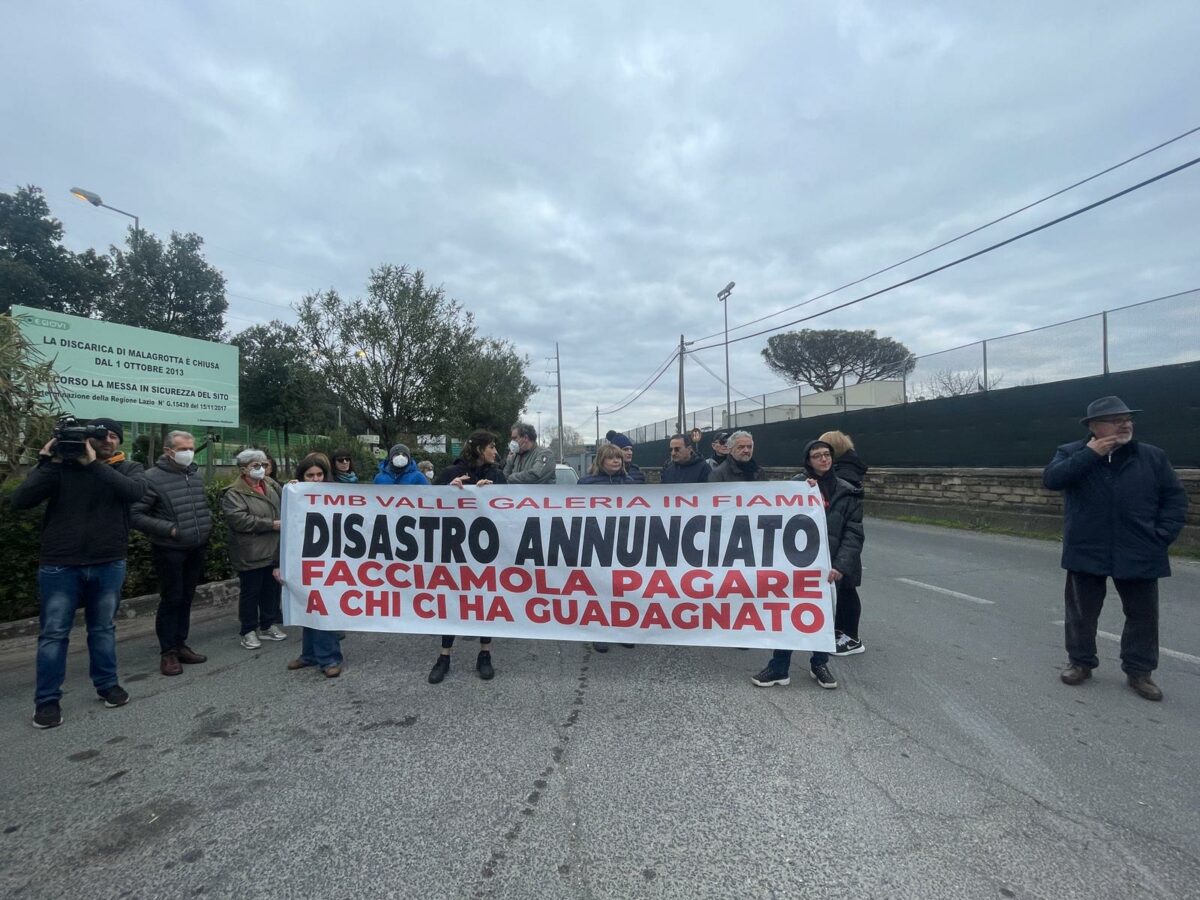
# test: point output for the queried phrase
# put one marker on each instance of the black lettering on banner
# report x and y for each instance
(692, 554)
(629, 548)
(454, 532)
(768, 525)
(353, 543)
(564, 543)
(801, 557)
(316, 535)
(740, 548)
(529, 548)
(598, 541)
(662, 540)
(381, 541)
(408, 548)
(479, 552)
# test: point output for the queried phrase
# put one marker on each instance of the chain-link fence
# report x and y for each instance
(1142, 335)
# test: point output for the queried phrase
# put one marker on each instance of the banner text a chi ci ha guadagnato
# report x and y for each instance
(731, 565)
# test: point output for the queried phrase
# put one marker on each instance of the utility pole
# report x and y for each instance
(680, 423)
(597, 429)
(558, 379)
(723, 297)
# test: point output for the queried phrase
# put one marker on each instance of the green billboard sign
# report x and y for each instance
(134, 374)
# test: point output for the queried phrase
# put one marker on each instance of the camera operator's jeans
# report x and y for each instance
(62, 590)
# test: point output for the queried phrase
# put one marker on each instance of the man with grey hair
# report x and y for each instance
(739, 465)
(527, 463)
(175, 516)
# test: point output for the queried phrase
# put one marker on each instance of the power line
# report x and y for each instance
(720, 380)
(641, 384)
(965, 234)
(662, 370)
(961, 259)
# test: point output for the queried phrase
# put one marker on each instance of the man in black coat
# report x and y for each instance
(174, 515)
(88, 488)
(1123, 506)
(686, 466)
(739, 465)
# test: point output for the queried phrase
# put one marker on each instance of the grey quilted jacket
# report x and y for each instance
(174, 500)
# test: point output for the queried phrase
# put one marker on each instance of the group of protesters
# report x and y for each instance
(94, 496)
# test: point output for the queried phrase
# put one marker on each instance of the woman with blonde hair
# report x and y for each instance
(609, 467)
(848, 467)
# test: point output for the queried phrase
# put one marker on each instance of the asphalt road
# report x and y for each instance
(950, 763)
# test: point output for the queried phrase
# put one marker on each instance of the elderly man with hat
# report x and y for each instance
(89, 487)
(1123, 506)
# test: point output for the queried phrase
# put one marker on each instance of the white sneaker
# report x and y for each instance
(274, 633)
(250, 641)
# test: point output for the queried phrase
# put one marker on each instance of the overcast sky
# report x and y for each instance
(594, 176)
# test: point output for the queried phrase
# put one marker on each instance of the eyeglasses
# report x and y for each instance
(1114, 420)
(822, 454)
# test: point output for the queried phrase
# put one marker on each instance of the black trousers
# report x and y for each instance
(448, 642)
(178, 571)
(1084, 595)
(848, 609)
(259, 605)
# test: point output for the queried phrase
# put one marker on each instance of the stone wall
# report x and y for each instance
(999, 498)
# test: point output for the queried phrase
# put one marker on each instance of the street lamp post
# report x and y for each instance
(94, 199)
(723, 297)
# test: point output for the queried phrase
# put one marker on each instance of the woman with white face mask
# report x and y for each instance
(399, 468)
(251, 507)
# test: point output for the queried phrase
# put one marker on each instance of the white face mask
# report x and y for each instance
(399, 460)
(257, 473)
(514, 447)
(184, 457)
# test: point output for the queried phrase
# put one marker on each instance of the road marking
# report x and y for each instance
(1177, 654)
(946, 591)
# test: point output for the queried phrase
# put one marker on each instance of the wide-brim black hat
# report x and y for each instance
(1107, 406)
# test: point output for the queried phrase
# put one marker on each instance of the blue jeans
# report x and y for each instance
(320, 648)
(781, 660)
(62, 589)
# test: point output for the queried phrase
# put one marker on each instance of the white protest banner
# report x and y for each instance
(731, 565)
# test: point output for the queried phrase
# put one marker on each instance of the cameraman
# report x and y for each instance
(174, 515)
(85, 536)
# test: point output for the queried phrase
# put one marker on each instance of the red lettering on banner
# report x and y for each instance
(339, 573)
(347, 609)
(419, 602)
(382, 603)
(535, 610)
(771, 583)
(625, 581)
(366, 573)
(747, 617)
(735, 585)
(806, 583)
(311, 570)
(593, 612)
(690, 578)
(677, 615)
(713, 615)
(660, 583)
(777, 611)
(516, 581)
(470, 607)
(316, 604)
(816, 618)
(565, 611)
(578, 583)
(440, 578)
(499, 610)
(624, 614)
(655, 615)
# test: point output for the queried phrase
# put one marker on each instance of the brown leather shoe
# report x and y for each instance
(189, 657)
(1145, 687)
(299, 664)
(169, 664)
(331, 671)
(1074, 674)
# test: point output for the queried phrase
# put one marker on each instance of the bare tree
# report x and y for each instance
(29, 397)
(954, 383)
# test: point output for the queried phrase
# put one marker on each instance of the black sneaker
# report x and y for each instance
(47, 715)
(115, 696)
(599, 647)
(483, 665)
(629, 646)
(440, 668)
(822, 676)
(770, 676)
(848, 646)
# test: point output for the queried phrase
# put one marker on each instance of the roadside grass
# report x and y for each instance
(985, 528)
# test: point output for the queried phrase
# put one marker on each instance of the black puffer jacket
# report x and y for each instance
(87, 517)
(844, 524)
(621, 477)
(850, 468)
(1120, 512)
(484, 472)
(174, 500)
(694, 471)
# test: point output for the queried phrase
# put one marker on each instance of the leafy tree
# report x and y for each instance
(277, 387)
(491, 389)
(822, 357)
(36, 269)
(397, 353)
(28, 397)
(169, 288)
